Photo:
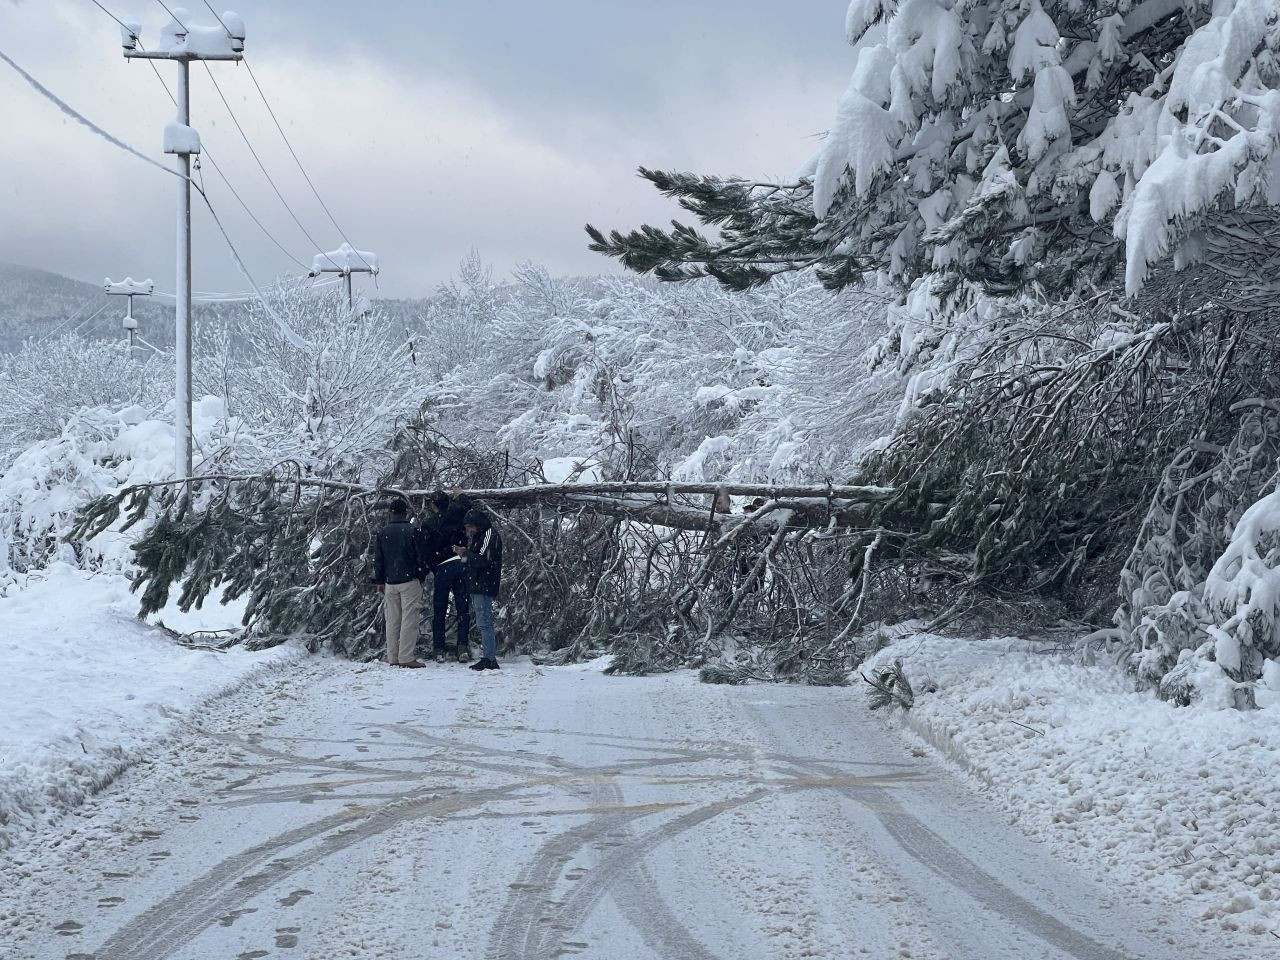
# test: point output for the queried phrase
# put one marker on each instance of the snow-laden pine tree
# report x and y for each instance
(1075, 206)
(1010, 145)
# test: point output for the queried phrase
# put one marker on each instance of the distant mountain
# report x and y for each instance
(38, 303)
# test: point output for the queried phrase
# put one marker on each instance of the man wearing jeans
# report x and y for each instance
(441, 541)
(483, 554)
(398, 571)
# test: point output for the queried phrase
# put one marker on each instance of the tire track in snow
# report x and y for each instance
(168, 925)
(930, 850)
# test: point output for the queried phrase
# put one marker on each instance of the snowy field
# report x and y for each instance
(86, 690)
(1179, 801)
(343, 810)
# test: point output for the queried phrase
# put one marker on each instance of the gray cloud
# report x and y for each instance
(431, 128)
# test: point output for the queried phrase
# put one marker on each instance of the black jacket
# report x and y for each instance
(443, 531)
(484, 561)
(395, 554)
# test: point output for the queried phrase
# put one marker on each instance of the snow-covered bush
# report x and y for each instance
(100, 451)
(328, 401)
(655, 380)
(46, 383)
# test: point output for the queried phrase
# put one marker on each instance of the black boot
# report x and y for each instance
(480, 665)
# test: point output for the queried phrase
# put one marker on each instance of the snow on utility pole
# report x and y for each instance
(346, 260)
(129, 287)
(182, 42)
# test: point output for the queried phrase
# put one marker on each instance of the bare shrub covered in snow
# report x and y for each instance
(691, 382)
(329, 402)
(46, 383)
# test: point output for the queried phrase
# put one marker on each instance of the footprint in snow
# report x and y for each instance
(293, 899)
(286, 941)
(235, 915)
(68, 928)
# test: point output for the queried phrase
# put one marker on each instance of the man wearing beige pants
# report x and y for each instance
(398, 571)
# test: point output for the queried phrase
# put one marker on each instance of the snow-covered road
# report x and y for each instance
(345, 810)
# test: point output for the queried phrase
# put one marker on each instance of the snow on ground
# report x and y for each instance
(1181, 801)
(350, 810)
(86, 689)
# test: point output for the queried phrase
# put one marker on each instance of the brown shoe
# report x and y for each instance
(414, 664)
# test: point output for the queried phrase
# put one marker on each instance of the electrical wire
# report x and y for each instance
(289, 333)
(175, 19)
(208, 156)
(123, 25)
(218, 18)
(279, 127)
(97, 313)
(80, 118)
(303, 170)
(263, 168)
(293, 153)
(67, 322)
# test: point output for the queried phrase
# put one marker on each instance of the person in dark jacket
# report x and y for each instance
(441, 535)
(398, 571)
(483, 554)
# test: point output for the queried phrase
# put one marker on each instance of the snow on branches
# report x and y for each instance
(1158, 112)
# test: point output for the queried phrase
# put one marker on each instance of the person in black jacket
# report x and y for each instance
(483, 554)
(440, 537)
(398, 571)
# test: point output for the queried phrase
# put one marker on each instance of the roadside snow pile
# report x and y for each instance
(1180, 800)
(100, 451)
(86, 689)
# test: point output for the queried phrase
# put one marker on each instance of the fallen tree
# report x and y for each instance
(663, 573)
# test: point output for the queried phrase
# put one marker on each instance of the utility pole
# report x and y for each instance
(182, 41)
(129, 287)
(346, 260)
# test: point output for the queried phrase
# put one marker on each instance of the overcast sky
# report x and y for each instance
(430, 127)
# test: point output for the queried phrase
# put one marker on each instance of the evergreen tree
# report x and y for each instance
(1008, 145)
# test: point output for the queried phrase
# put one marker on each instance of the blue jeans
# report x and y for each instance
(450, 578)
(482, 603)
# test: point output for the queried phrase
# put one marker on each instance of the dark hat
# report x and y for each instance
(398, 508)
(476, 518)
(440, 499)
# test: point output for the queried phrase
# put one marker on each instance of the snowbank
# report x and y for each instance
(1178, 800)
(101, 451)
(86, 689)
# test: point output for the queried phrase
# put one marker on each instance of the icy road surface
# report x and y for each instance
(343, 810)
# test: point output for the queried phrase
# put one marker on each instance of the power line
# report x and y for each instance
(79, 312)
(285, 137)
(123, 25)
(218, 18)
(294, 154)
(227, 182)
(208, 156)
(89, 319)
(288, 331)
(82, 119)
(175, 19)
(258, 159)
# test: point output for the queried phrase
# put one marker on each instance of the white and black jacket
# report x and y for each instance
(484, 562)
